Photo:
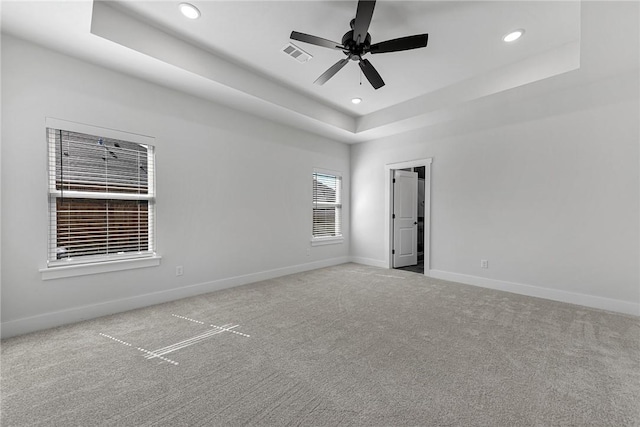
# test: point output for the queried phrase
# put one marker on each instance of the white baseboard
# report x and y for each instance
(602, 303)
(77, 314)
(368, 261)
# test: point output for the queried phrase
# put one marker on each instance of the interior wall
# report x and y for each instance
(233, 190)
(542, 181)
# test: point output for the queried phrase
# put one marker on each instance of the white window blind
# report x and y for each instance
(327, 205)
(101, 198)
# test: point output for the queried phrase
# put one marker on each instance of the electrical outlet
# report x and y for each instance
(179, 271)
(484, 263)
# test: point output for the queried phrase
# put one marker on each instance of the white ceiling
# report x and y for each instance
(232, 54)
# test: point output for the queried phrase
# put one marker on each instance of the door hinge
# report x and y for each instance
(393, 216)
(394, 180)
(393, 251)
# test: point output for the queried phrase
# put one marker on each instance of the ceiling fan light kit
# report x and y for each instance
(357, 42)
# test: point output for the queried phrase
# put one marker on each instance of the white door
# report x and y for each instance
(405, 219)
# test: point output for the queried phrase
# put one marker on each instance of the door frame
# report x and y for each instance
(388, 202)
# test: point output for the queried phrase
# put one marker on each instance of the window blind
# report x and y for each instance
(101, 198)
(327, 205)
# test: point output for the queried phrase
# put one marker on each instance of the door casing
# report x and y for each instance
(388, 200)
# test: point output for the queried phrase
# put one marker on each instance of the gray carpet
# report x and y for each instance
(347, 345)
(418, 268)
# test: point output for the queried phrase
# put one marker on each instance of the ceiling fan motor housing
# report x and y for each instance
(355, 51)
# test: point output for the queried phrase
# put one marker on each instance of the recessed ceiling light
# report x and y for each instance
(356, 100)
(513, 36)
(189, 10)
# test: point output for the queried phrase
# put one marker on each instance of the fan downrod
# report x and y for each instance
(352, 49)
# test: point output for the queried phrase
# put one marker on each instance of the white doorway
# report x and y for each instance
(398, 242)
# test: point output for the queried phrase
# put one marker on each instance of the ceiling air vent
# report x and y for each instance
(296, 53)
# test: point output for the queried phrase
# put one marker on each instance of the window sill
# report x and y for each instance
(98, 267)
(319, 241)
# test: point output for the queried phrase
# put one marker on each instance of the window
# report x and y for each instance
(101, 198)
(327, 207)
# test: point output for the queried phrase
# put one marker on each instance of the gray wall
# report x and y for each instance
(542, 180)
(233, 190)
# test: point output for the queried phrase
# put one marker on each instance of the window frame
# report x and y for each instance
(101, 263)
(338, 238)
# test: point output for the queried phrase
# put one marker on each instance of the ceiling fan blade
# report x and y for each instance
(331, 71)
(371, 74)
(364, 13)
(318, 41)
(403, 43)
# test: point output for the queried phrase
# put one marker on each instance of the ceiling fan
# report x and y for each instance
(357, 42)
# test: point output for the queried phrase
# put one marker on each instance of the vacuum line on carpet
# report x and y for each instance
(187, 318)
(229, 330)
(173, 362)
(213, 326)
(186, 343)
(156, 355)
